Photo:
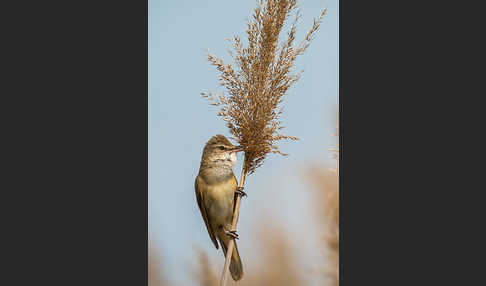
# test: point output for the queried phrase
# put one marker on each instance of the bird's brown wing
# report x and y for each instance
(198, 186)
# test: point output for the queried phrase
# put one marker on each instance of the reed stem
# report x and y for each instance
(231, 243)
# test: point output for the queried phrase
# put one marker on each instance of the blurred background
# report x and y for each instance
(288, 223)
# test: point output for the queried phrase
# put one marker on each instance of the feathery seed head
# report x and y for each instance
(251, 109)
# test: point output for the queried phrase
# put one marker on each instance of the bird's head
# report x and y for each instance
(219, 151)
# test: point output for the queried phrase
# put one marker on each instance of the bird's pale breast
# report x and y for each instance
(221, 197)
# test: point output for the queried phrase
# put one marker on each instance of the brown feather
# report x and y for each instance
(202, 208)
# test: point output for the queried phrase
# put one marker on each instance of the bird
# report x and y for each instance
(216, 189)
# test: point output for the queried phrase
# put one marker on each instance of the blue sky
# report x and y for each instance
(180, 121)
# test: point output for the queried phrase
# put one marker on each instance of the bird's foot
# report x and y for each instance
(232, 234)
(239, 190)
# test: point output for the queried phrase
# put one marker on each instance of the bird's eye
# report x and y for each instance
(221, 148)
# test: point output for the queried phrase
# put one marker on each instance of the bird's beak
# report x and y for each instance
(236, 149)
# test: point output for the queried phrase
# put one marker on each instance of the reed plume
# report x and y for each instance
(261, 75)
(155, 276)
(326, 184)
(205, 274)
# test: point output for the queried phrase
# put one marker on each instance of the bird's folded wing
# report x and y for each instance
(198, 185)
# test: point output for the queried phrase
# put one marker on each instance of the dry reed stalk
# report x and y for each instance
(231, 243)
(263, 75)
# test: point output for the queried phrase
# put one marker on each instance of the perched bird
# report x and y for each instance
(216, 189)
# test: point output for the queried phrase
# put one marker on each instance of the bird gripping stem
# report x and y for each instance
(231, 243)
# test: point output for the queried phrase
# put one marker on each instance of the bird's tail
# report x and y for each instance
(236, 268)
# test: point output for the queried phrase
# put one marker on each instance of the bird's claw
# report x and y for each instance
(232, 234)
(239, 190)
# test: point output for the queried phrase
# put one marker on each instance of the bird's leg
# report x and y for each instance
(232, 234)
(239, 190)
